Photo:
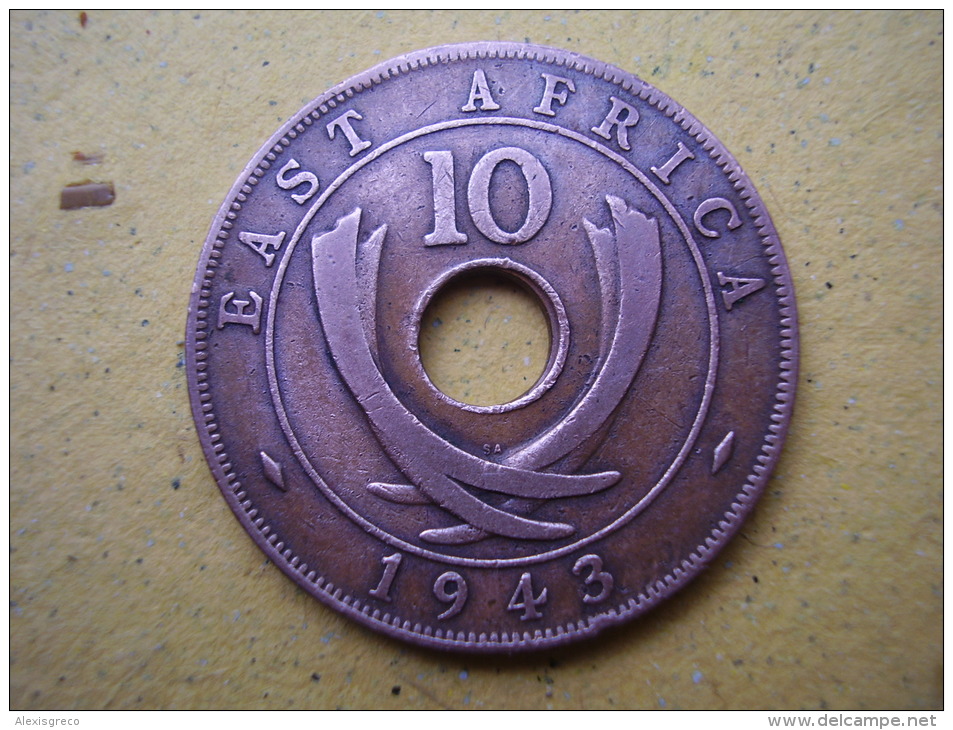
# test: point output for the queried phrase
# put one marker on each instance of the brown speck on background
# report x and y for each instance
(86, 194)
(84, 159)
(83, 19)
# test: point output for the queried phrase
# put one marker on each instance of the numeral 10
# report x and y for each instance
(445, 229)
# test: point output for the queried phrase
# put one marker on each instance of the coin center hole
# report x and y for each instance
(485, 339)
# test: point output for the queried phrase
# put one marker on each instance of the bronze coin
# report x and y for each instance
(619, 474)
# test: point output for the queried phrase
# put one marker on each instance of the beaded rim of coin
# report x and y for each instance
(410, 627)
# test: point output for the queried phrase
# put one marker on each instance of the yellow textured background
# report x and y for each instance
(133, 586)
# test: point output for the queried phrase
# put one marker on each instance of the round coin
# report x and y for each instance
(615, 477)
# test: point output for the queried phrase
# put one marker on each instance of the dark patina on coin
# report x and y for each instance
(619, 474)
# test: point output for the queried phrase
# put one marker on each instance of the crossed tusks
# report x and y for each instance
(438, 471)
